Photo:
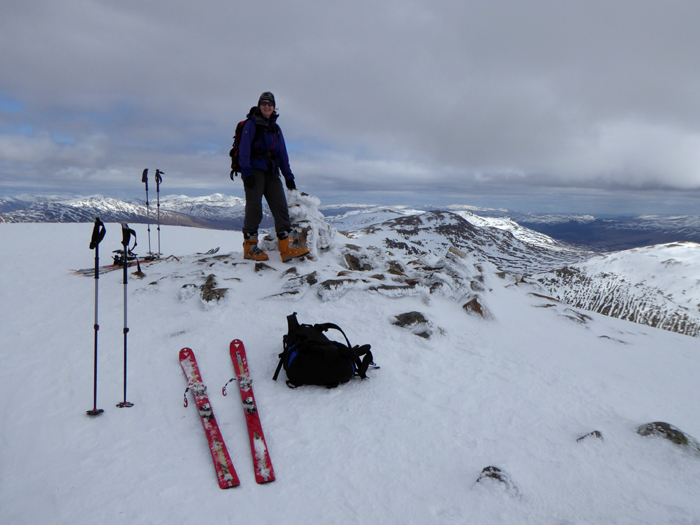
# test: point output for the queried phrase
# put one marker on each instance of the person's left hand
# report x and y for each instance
(290, 184)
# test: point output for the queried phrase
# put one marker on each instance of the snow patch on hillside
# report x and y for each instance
(658, 286)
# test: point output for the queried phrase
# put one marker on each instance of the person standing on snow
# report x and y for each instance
(263, 154)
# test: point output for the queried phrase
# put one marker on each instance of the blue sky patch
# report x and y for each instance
(9, 105)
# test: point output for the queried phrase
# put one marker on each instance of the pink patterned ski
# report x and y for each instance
(261, 457)
(225, 472)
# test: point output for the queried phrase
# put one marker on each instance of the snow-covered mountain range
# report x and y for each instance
(225, 212)
(214, 211)
(602, 234)
(657, 286)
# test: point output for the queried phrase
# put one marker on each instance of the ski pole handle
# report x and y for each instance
(98, 233)
(126, 237)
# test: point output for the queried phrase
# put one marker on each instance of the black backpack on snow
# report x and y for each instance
(310, 358)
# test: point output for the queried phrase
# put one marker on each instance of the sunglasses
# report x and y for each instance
(266, 103)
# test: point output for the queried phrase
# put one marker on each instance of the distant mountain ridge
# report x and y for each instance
(216, 211)
(601, 234)
(220, 211)
(606, 234)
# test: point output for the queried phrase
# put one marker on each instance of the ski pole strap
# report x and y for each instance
(98, 233)
(223, 390)
(159, 179)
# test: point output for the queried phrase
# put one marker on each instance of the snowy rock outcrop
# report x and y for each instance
(409, 253)
(671, 433)
(416, 322)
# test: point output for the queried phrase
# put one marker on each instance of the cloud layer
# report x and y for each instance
(414, 99)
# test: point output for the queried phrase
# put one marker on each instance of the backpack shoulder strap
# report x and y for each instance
(292, 326)
(327, 326)
(367, 360)
(281, 356)
(353, 352)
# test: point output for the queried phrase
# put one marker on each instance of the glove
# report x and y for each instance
(290, 184)
(248, 182)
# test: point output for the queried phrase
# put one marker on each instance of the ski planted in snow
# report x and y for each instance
(261, 457)
(225, 472)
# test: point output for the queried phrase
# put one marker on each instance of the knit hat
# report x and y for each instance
(267, 96)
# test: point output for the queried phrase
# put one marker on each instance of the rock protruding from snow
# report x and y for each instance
(416, 322)
(209, 291)
(673, 434)
(495, 476)
(476, 306)
(595, 434)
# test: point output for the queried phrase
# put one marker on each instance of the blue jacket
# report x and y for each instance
(267, 152)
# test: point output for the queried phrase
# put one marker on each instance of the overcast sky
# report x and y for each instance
(561, 106)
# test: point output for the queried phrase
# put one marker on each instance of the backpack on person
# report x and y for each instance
(234, 153)
(310, 358)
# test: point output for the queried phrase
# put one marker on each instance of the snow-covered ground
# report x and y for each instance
(406, 446)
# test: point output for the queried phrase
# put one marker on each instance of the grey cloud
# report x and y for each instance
(431, 97)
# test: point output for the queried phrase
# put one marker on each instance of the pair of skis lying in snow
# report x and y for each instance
(90, 272)
(225, 472)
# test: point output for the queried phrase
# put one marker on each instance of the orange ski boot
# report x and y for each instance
(251, 250)
(289, 249)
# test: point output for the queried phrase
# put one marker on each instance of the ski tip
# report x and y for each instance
(236, 344)
(185, 353)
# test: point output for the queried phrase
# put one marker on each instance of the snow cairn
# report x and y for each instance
(308, 223)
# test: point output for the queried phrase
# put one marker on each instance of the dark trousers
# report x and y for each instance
(269, 186)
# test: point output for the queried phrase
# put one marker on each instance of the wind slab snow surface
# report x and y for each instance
(405, 446)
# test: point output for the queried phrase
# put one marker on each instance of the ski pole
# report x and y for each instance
(144, 179)
(126, 237)
(159, 179)
(98, 233)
